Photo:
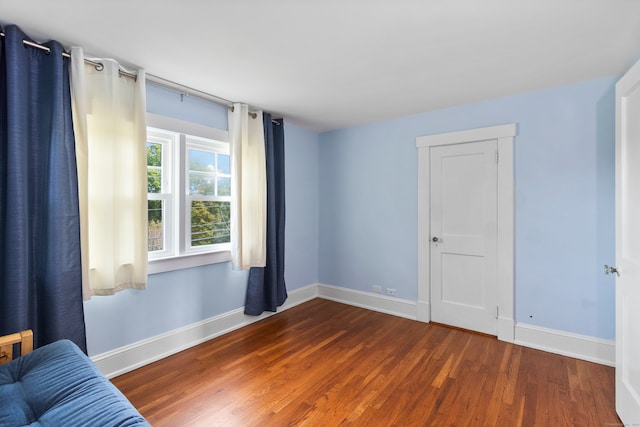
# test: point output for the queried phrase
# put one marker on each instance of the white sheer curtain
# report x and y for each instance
(248, 189)
(110, 129)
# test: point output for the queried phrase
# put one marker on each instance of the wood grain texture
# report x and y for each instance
(328, 364)
(7, 342)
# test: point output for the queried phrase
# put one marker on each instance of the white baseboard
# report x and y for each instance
(133, 356)
(553, 341)
(506, 329)
(376, 302)
(566, 343)
(423, 311)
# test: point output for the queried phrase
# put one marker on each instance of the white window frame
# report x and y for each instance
(217, 147)
(180, 256)
(168, 140)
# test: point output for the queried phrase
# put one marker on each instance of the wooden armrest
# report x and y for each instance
(24, 338)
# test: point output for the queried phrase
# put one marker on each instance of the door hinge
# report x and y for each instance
(497, 311)
(497, 156)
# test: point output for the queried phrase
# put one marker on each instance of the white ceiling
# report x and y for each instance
(336, 63)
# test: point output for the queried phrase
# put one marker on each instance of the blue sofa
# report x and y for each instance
(58, 385)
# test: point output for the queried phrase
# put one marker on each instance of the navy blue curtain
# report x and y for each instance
(266, 290)
(40, 273)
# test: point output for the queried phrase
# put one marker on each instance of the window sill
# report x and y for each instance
(187, 261)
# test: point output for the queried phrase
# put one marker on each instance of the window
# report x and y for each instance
(160, 192)
(208, 193)
(189, 194)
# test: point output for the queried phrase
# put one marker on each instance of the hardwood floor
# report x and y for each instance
(326, 364)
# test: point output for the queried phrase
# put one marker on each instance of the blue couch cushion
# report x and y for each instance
(58, 385)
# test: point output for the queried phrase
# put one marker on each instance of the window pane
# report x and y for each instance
(203, 161)
(154, 167)
(155, 229)
(223, 164)
(154, 154)
(202, 183)
(210, 223)
(154, 180)
(202, 172)
(224, 186)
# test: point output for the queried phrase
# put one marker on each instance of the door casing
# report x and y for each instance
(505, 136)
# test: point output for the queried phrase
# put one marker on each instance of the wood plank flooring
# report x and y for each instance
(328, 364)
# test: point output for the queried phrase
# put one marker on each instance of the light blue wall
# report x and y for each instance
(188, 108)
(301, 239)
(564, 177)
(352, 215)
(179, 298)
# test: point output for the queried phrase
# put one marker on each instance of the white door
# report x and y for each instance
(628, 247)
(464, 235)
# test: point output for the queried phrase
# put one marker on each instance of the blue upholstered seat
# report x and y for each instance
(58, 385)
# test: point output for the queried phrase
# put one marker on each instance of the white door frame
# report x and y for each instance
(504, 135)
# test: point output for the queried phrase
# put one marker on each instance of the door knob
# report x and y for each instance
(611, 270)
(435, 239)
